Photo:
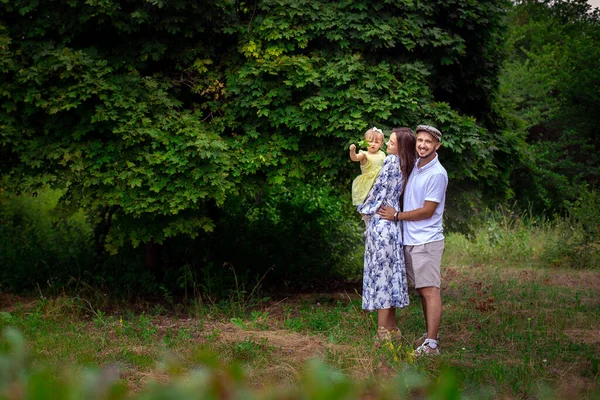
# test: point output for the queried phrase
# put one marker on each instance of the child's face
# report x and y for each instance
(375, 143)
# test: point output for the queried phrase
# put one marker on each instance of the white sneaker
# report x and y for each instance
(421, 340)
(426, 350)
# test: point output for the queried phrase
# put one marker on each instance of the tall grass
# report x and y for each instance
(508, 238)
(42, 249)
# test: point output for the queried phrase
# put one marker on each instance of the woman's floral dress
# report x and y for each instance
(384, 279)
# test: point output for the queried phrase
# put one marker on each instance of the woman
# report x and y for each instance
(384, 276)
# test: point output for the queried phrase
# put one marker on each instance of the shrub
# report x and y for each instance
(502, 235)
(299, 234)
(577, 242)
(39, 246)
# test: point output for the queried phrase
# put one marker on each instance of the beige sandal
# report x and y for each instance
(396, 335)
(386, 335)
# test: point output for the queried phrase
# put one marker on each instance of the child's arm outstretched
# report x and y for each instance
(356, 157)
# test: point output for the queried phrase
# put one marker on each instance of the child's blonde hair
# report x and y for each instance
(371, 133)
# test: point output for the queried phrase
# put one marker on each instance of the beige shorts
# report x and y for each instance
(423, 264)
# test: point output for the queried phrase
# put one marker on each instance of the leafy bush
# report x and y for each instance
(296, 235)
(577, 241)
(45, 248)
(175, 106)
(503, 235)
(38, 246)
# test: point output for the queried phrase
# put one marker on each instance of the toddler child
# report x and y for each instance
(370, 164)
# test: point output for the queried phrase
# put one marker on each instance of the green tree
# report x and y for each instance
(314, 74)
(549, 91)
(89, 103)
(153, 114)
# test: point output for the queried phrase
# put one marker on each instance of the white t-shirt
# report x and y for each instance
(425, 184)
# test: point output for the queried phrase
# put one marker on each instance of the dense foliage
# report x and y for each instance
(35, 247)
(162, 109)
(88, 104)
(229, 121)
(549, 92)
(164, 118)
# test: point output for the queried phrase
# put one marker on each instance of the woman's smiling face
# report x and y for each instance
(392, 145)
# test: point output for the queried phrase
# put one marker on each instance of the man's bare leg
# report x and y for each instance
(432, 310)
(424, 306)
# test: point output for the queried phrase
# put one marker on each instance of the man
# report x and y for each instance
(424, 200)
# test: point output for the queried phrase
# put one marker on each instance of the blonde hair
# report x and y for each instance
(371, 133)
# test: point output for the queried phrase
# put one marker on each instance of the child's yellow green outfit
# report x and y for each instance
(369, 170)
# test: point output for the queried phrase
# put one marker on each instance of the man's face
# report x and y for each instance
(427, 144)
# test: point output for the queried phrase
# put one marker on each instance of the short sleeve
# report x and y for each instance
(436, 188)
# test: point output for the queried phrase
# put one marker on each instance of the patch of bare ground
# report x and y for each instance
(10, 303)
(573, 279)
(298, 347)
(572, 386)
(292, 349)
(585, 336)
(136, 380)
(289, 351)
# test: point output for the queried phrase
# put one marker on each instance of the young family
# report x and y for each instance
(403, 242)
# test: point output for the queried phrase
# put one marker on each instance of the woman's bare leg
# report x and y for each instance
(386, 320)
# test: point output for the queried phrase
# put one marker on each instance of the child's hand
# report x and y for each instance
(352, 147)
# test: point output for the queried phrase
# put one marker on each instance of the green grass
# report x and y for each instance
(506, 332)
(507, 239)
(514, 326)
